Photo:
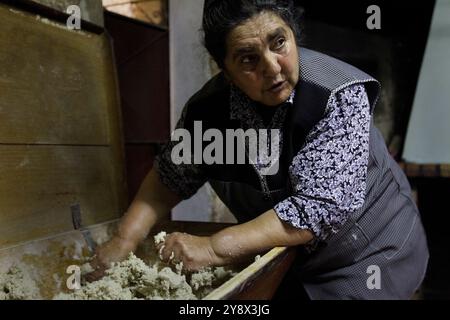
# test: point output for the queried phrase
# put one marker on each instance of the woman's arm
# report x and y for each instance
(233, 244)
(152, 203)
(260, 234)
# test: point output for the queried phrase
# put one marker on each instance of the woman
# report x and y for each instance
(337, 194)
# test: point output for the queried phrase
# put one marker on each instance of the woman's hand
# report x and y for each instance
(115, 250)
(233, 244)
(152, 203)
(194, 252)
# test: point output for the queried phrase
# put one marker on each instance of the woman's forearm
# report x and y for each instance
(262, 233)
(152, 203)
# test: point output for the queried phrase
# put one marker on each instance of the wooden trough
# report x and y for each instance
(47, 260)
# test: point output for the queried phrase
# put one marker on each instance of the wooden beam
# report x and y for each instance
(426, 170)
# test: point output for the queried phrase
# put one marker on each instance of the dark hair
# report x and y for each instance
(222, 16)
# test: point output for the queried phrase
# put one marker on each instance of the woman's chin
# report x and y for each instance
(274, 99)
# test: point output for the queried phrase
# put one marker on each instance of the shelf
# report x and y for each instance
(415, 170)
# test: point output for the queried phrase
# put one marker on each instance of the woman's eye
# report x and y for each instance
(248, 59)
(280, 43)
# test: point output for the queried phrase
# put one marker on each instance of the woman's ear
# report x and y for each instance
(227, 76)
(225, 73)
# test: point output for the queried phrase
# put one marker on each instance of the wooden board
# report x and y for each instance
(416, 170)
(60, 128)
(260, 280)
(91, 10)
(52, 82)
(39, 183)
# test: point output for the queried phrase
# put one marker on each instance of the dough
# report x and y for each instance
(17, 285)
(134, 279)
(42, 275)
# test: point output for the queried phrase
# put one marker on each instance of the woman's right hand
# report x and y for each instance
(115, 250)
(152, 203)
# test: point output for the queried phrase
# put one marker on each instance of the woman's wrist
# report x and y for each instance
(126, 243)
(225, 247)
(136, 223)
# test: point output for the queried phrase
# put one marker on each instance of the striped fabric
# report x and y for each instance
(385, 233)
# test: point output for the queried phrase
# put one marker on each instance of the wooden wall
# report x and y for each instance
(91, 10)
(150, 11)
(60, 128)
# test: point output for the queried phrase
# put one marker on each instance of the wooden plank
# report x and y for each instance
(142, 56)
(54, 83)
(149, 11)
(91, 10)
(260, 279)
(416, 170)
(263, 286)
(60, 133)
(39, 183)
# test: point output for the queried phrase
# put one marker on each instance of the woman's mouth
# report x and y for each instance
(277, 87)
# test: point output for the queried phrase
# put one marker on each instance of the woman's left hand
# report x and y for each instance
(195, 252)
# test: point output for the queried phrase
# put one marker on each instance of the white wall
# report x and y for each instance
(189, 65)
(428, 137)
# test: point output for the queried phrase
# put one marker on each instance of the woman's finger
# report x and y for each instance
(161, 252)
(95, 275)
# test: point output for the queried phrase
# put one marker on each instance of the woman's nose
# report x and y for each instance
(271, 66)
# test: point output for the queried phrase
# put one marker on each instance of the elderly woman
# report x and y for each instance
(337, 195)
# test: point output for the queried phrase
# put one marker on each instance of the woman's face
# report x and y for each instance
(262, 59)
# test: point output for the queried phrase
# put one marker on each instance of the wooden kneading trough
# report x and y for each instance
(47, 269)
